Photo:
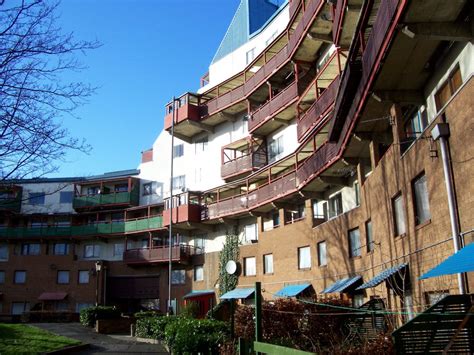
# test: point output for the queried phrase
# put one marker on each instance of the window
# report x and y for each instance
(179, 182)
(369, 238)
(2, 277)
(358, 300)
(335, 205)
(295, 215)
(178, 277)
(304, 258)
(354, 243)
(144, 243)
(62, 222)
(399, 215)
(276, 219)
(62, 306)
(422, 204)
(31, 249)
(83, 276)
(198, 273)
(121, 188)
(250, 55)
(268, 264)
(251, 232)
(200, 243)
(3, 252)
(178, 150)
(19, 277)
(65, 197)
(63, 277)
(357, 193)
(275, 149)
(448, 89)
(147, 189)
(117, 217)
(91, 251)
(81, 306)
(20, 307)
(416, 122)
(201, 145)
(322, 254)
(36, 198)
(94, 190)
(250, 268)
(319, 212)
(61, 249)
(119, 249)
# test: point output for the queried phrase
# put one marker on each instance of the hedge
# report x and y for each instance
(88, 316)
(187, 335)
(152, 327)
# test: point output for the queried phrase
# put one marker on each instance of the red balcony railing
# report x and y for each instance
(187, 108)
(155, 255)
(339, 12)
(181, 214)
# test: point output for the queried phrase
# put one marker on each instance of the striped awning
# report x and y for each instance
(292, 290)
(238, 293)
(462, 261)
(377, 280)
(342, 284)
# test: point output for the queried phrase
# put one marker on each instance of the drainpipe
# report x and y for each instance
(440, 133)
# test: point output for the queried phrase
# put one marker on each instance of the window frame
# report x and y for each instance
(199, 273)
(266, 270)
(83, 272)
(178, 150)
(246, 267)
(36, 198)
(95, 247)
(369, 242)
(300, 259)
(320, 262)
(181, 280)
(27, 250)
(396, 227)
(67, 281)
(416, 201)
(62, 252)
(353, 251)
(18, 272)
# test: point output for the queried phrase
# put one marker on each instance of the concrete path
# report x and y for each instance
(101, 343)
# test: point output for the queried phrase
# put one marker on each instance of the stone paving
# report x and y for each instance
(101, 343)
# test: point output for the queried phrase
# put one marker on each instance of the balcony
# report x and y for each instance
(185, 209)
(186, 113)
(179, 254)
(143, 224)
(10, 198)
(243, 156)
(119, 193)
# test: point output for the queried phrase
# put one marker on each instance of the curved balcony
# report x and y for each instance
(242, 157)
(253, 81)
(184, 209)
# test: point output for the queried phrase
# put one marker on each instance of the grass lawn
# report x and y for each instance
(25, 339)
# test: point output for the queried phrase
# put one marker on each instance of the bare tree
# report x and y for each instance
(34, 56)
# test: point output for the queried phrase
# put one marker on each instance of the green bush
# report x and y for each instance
(145, 314)
(88, 316)
(187, 335)
(190, 310)
(152, 327)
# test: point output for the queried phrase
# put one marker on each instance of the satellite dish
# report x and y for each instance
(231, 267)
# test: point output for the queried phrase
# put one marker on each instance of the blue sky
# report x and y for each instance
(152, 50)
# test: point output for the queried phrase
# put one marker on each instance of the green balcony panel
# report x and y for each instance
(144, 224)
(119, 198)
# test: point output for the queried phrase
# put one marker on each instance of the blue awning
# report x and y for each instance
(462, 261)
(292, 290)
(198, 293)
(382, 276)
(342, 285)
(238, 293)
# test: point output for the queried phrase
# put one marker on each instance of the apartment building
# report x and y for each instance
(310, 138)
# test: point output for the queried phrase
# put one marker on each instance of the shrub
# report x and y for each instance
(220, 311)
(191, 310)
(144, 314)
(88, 316)
(152, 327)
(187, 335)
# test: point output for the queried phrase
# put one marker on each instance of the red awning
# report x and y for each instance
(52, 296)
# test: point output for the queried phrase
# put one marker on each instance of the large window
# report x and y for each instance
(335, 205)
(83, 277)
(399, 215)
(61, 249)
(369, 238)
(20, 307)
(119, 248)
(19, 277)
(268, 264)
(65, 197)
(178, 277)
(178, 150)
(448, 89)
(147, 189)
(422, 204)
(31, 249)
(63, 277)
(249, 266)
(304, 258)
(322, 254)
(3, 252)
(91, 251)
(179, 182)
(275, 149)
(354, 243)
(251, 232)
(36, 198)
(198, 273)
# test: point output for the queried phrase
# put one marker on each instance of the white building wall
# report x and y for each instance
(52, 193)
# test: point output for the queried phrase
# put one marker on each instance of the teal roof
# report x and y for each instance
(238, 293)
(250, 17)
(292, 290)
(382, 276)
(198, 293)
(342, 284)
(462, 261)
